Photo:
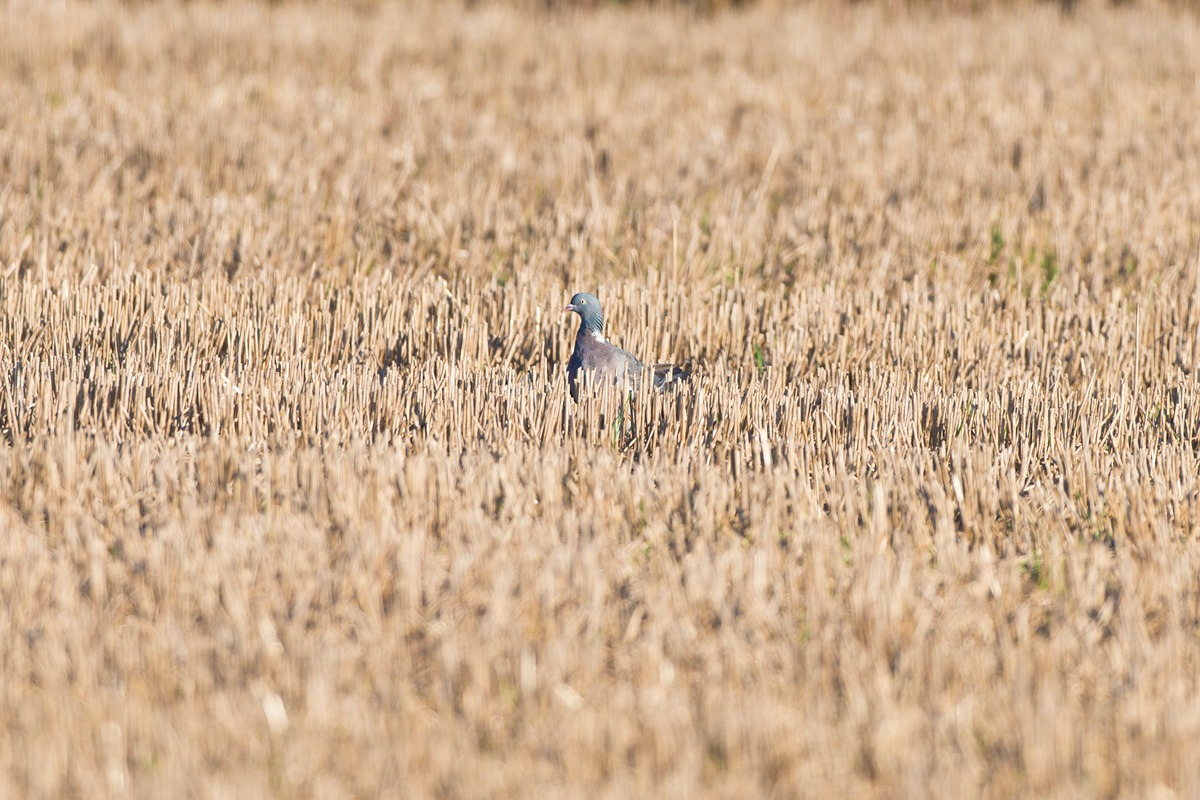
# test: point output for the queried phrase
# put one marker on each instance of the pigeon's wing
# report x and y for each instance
(626, 366)
(669, 375)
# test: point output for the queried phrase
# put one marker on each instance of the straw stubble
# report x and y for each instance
(296, 503)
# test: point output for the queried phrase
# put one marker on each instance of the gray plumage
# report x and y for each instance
(600, 359)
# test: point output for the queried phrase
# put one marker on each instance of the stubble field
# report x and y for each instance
(294, 501)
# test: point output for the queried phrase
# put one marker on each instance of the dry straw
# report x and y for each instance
(295, 502)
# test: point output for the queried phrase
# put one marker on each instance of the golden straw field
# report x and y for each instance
(294, 501)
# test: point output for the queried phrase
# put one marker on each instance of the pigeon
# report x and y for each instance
(601, 359)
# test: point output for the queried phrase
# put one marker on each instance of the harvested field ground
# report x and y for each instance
(294, 501)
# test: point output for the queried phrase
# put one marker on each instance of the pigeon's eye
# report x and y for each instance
(583, 302)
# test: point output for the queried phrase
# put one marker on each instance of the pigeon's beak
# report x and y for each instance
(568, 307)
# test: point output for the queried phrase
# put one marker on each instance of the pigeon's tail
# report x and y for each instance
(669, 375)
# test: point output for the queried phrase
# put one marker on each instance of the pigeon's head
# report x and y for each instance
(588, 308)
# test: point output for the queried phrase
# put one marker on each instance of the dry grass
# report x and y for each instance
(295, 502)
